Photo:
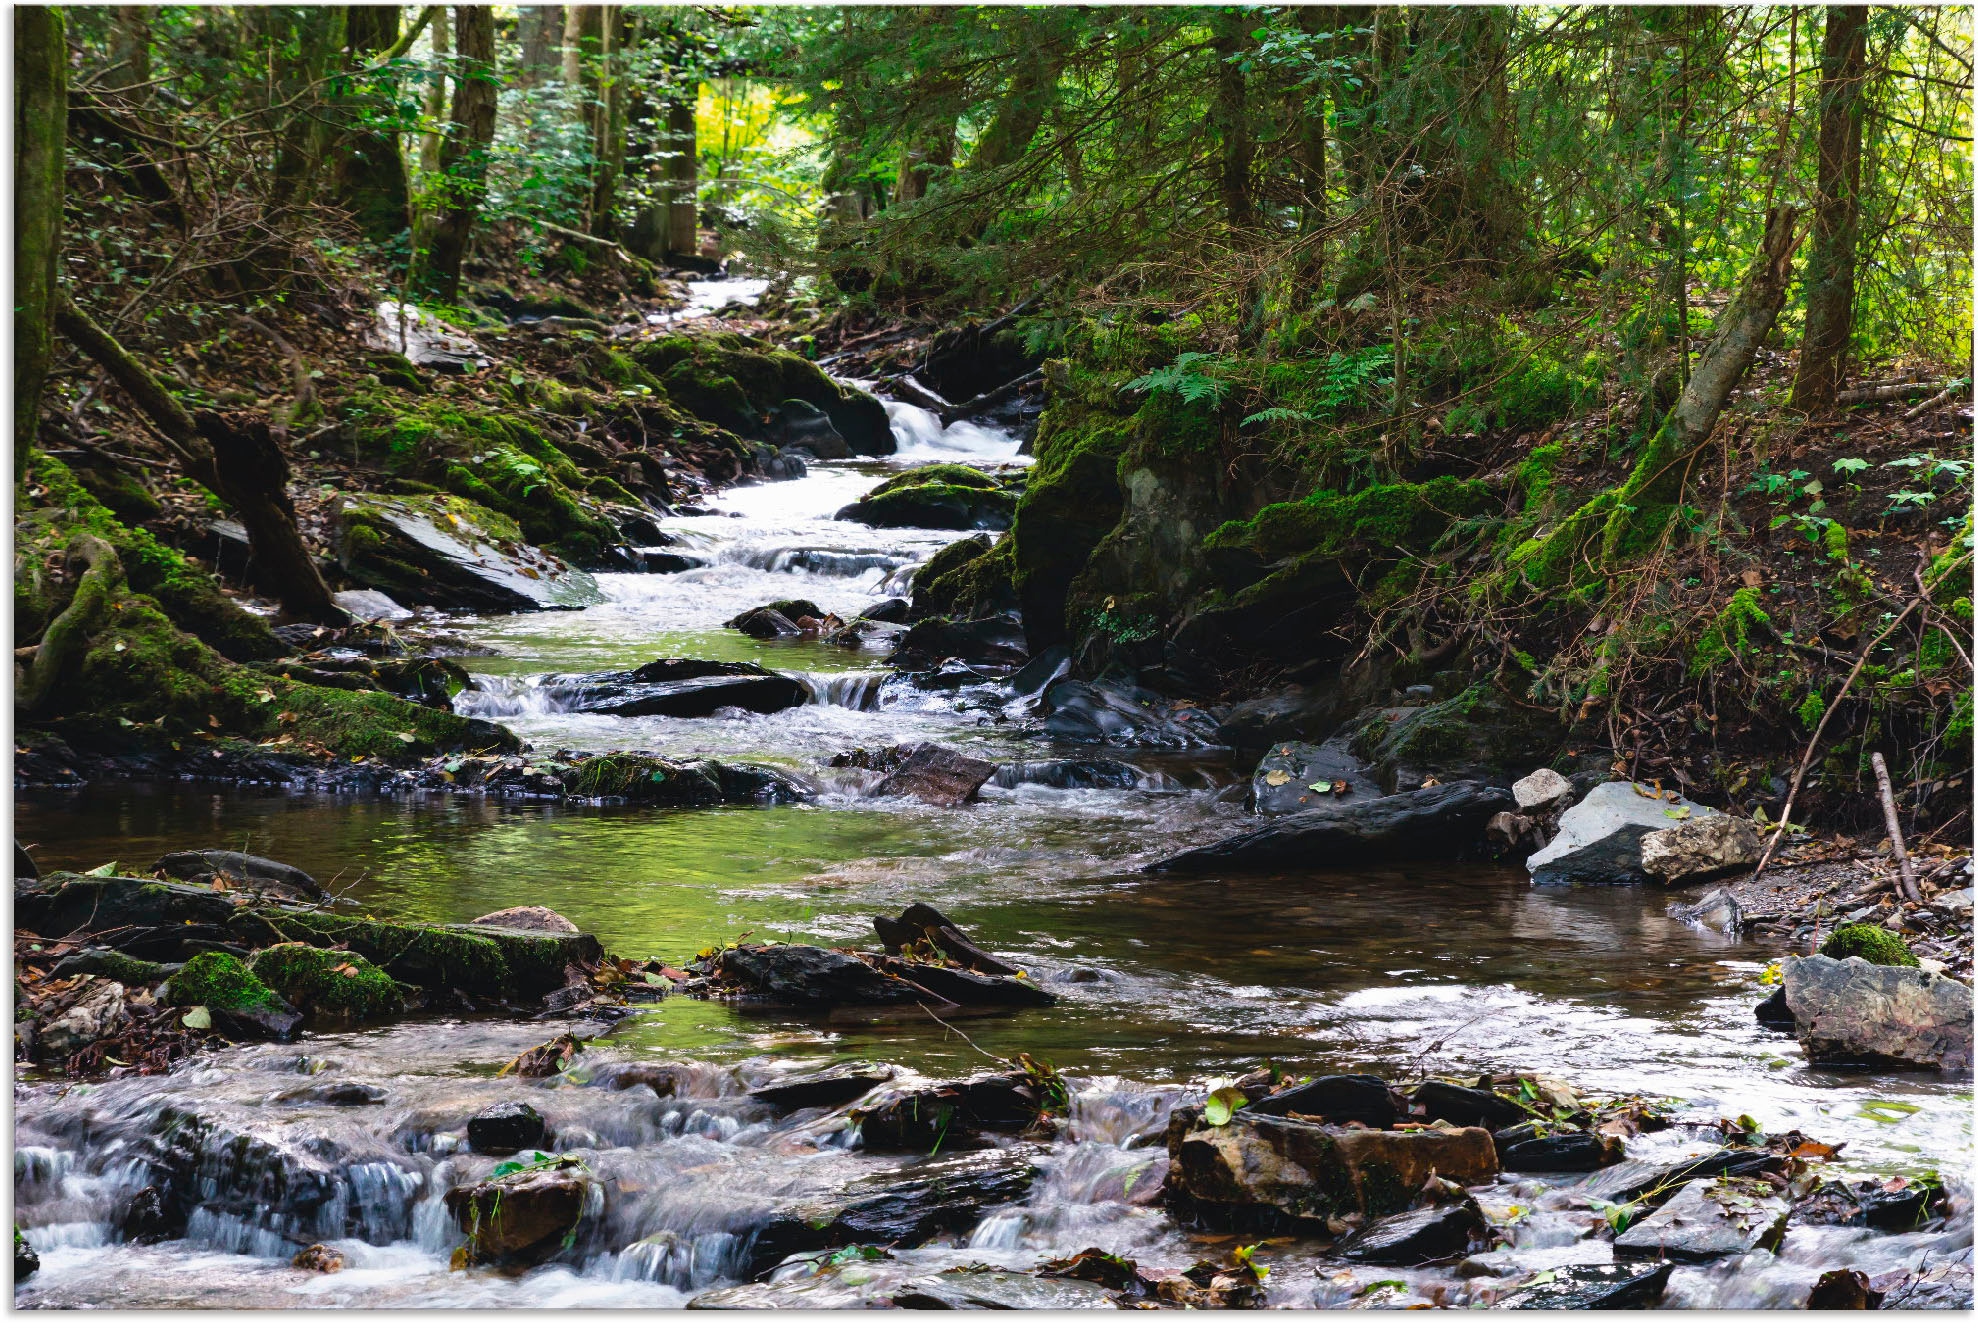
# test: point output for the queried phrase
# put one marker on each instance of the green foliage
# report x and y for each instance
(1870, 942)
(1385, 517)
(1189, 377)
(1729, 634)
(329, 984)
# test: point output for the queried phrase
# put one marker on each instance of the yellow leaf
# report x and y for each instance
(1277, 778)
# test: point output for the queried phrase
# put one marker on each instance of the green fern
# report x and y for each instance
(1184, 378)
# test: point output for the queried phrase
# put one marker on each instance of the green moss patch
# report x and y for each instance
(333, 985)
(219, 981)
(1875, 944)
(1383, 518)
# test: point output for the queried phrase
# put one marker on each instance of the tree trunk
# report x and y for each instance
(682, 176)
(581, 25)
(464, 154)
(233, 455)
(1231, 117)
(921, 157)
(1836, 211)
(369, 172)
(130, 48)
(428, 194)
(41, 76)
(1022, 111)
(539, 30)
(608, 124)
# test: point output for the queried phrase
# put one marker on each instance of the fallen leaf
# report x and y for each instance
(1278, 778)
(197, 1017)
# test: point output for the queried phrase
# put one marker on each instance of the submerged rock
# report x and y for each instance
(1708, 1219)
(1278, 1171)
(1630, 1181)
(1718, 911)
(1122, 715)
(900, 1208)
(1600, 837)
(1090, 773)
(826, 1088)
(682, 688)
(935, 774)
(1852, 1012)
(1441, 821)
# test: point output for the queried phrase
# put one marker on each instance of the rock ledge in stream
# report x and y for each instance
(680, 688)
(1852, 1012)
(1441, 821)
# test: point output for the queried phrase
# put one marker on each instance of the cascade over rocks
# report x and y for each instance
(1442, 821)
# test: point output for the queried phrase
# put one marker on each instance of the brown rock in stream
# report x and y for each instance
(936, 775)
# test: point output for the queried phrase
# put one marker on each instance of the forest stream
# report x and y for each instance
(1162, 983)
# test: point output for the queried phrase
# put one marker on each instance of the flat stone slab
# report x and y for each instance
(1600, 837)
(1708, 1219)
(1299, 776)
(1441, 821)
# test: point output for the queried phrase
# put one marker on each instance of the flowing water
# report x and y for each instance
(1160, 982)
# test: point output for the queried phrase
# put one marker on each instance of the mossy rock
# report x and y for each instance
(1073, 500)
(737, 383)
(942, 472)
(488, 963)
(1384, 518)
(1480, 734)
(455, 553)
(1875, 944)
(52, 507)
(128, 500)
(219, 981)
(646, 780)
(331, 987)
(981, 585)
(935, 506)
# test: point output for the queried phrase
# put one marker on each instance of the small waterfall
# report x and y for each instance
(687, 1262)
(511, 697)
(841, 563)
(922, 437)
(851, 691)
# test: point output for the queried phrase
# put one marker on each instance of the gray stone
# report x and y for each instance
(1406, 1239)
(457, 565)
(238, 870)
(1543, 792)
(99, 1011)
(1700, 849)
(1441, 821)
(1717, 911)
(1599, 840)
(1852, 1012)
(1957, 900)
(371, 605)
(1708, 1219)
(1284, 779)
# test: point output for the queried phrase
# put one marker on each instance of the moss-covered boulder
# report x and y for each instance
(981, 584)
(933, 505)
(1480, 734)
(51, 507)
(1072, 501)
(739, 384)
(488, 963)
(453, 553)
(237, 1003)
(1877, 945)
(333, 988)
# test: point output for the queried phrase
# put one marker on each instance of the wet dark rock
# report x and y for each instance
(1293, 714)
(798, 423)
(1336, 1098)
(1404, 1240)
(899, 1208)
(826, 1088)
(1851, 1012)
(666, 562)
(1775, 1014)
(1618, 1286)
(400, 546)
(24, 865)
(808, 975)
(528, 917)
(1568, 1150)
(252, 1024)
(151, 1215)
(336, 1095)
(1708, 1219)
(952, 1115)
(1442, 821)
(1124, 715)
(278, 1183)
(1898, 1204)
(886, 611)
(925, 925)
(681, 688)
(859, 1284)
(240, 871)
(784, 619)
(1259, 1172)
(1294, 777)
(1460, 1104)
(958, 986)
(1480, 735)
(936, 775)
(1628, 1181)
(66, 902)
(524, 1217)
(505, 1127)
(1600, 837)
(26, 1262)
(1843, 1289)
(998, 640)
(1090, 773)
